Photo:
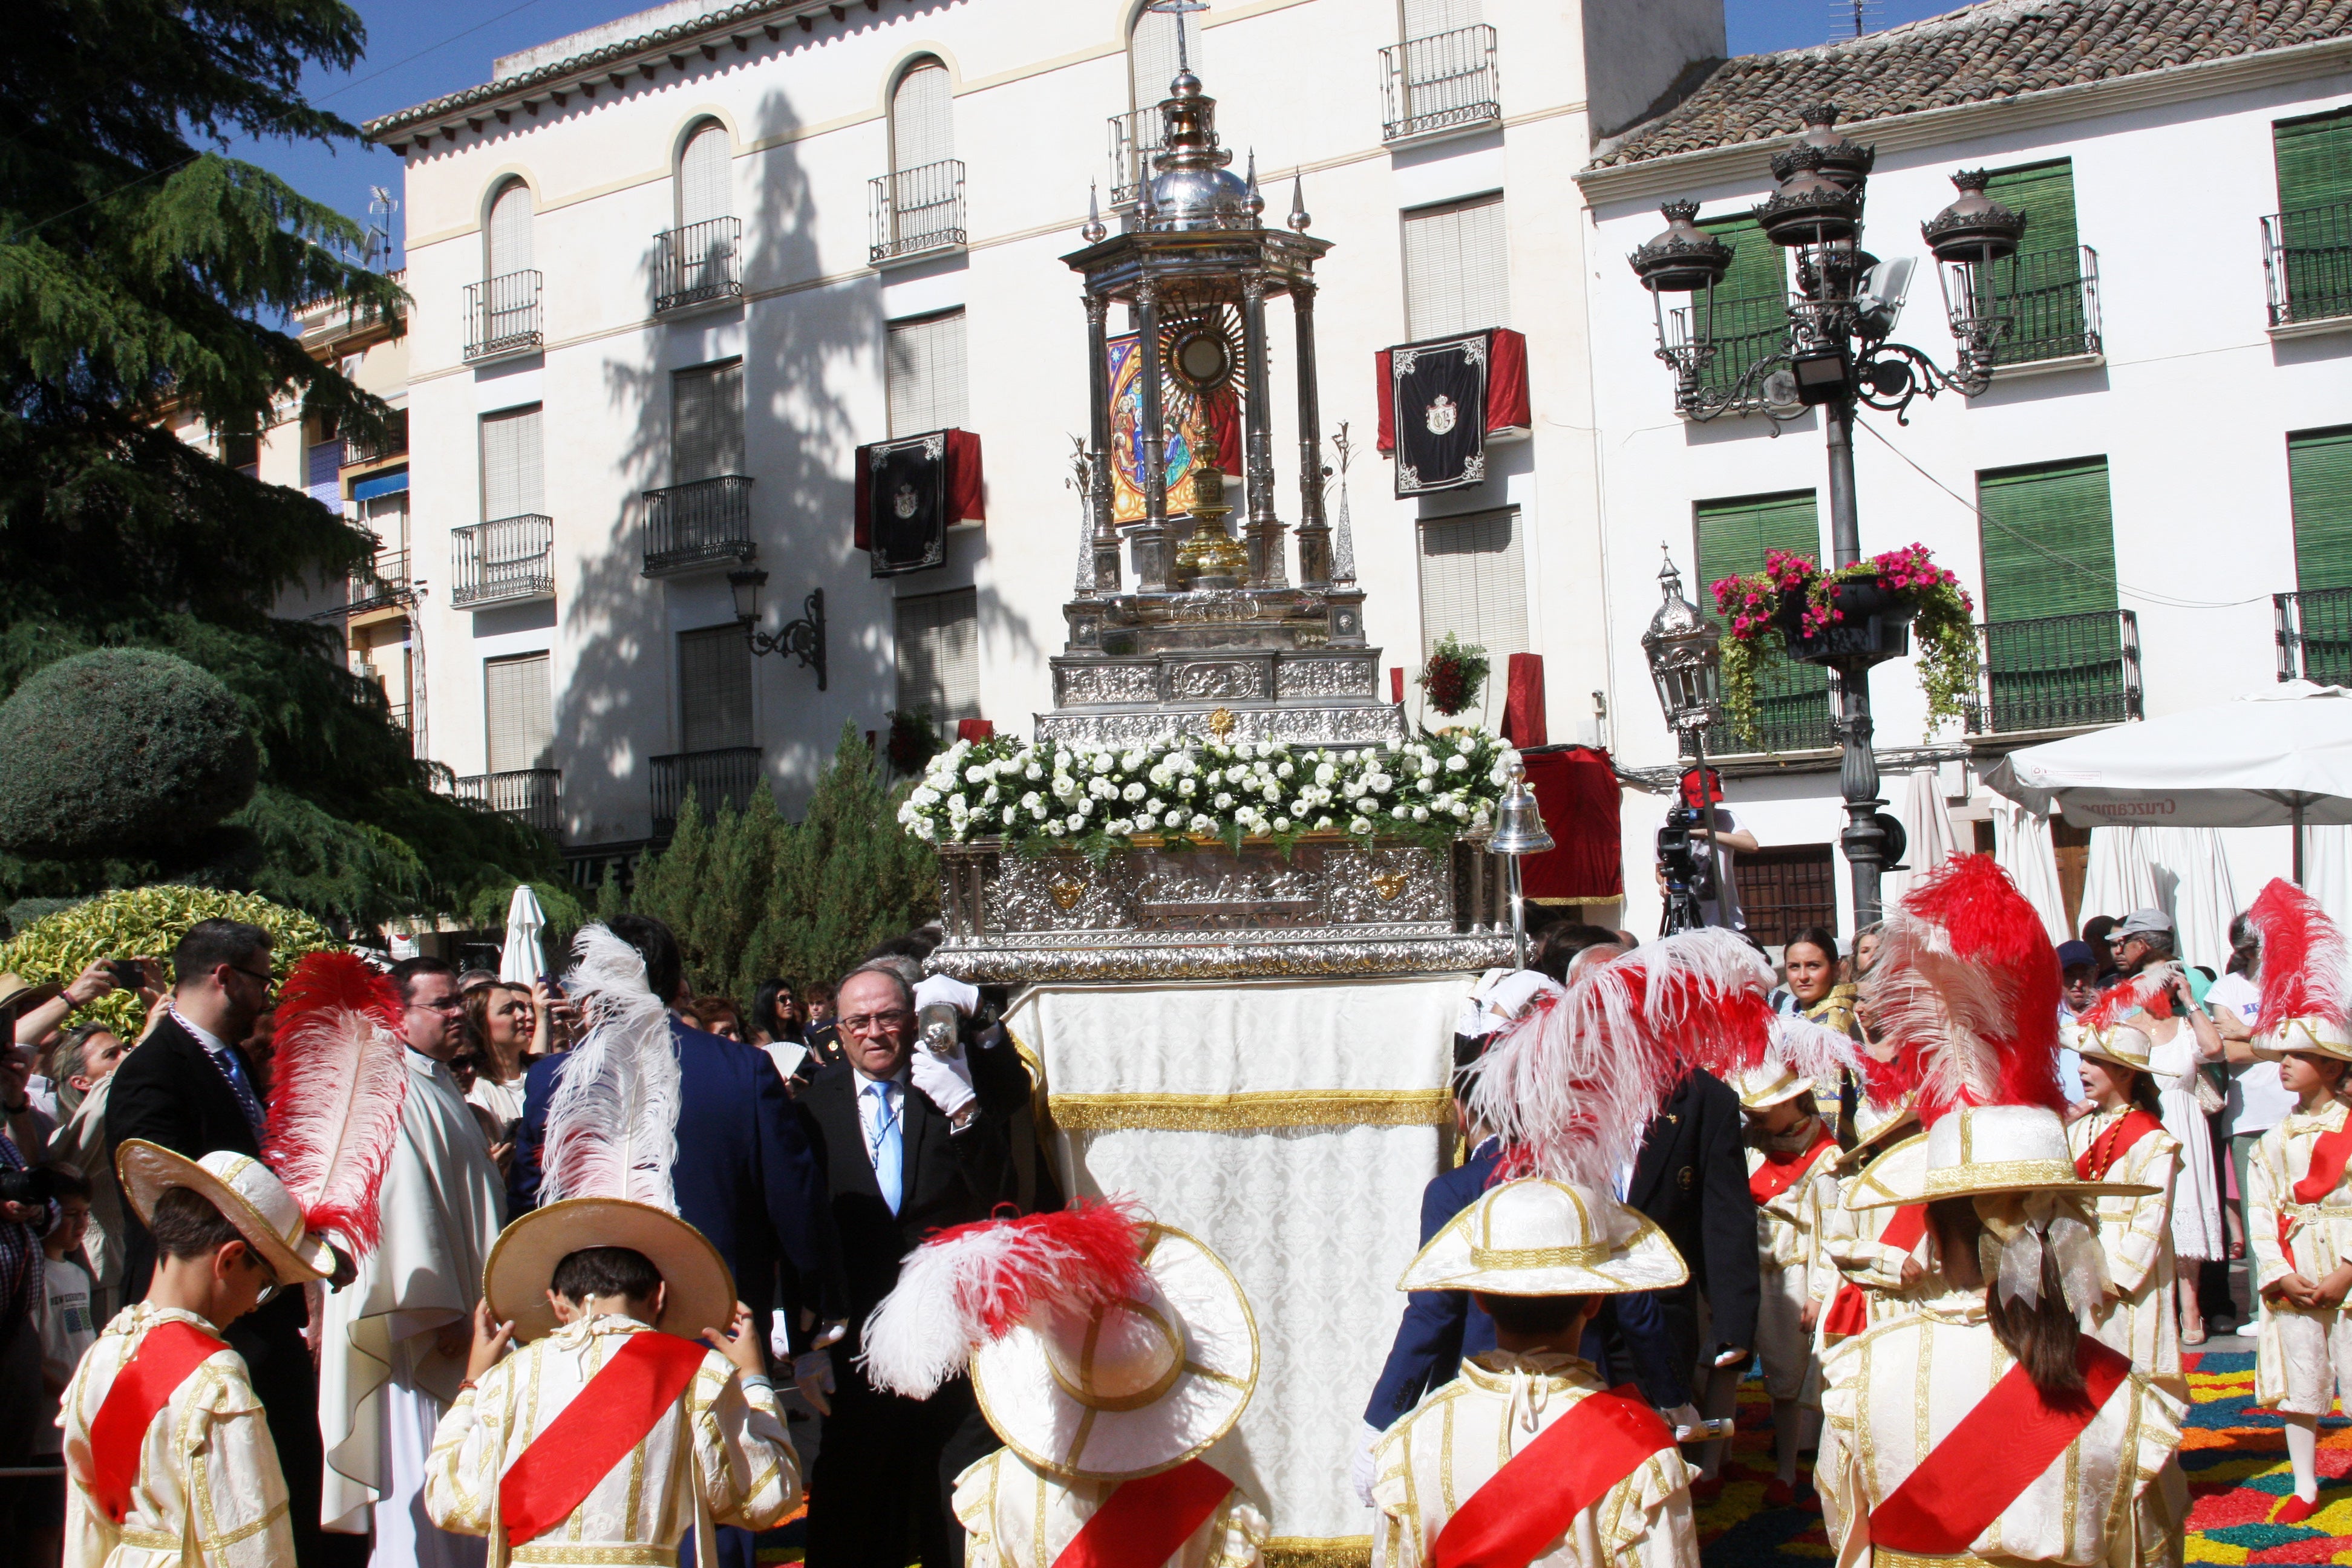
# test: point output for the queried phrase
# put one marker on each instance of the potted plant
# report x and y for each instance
(1455, 675)
(1854, 616)
(914, 739)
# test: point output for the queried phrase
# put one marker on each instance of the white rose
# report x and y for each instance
(1085, 809)
(1461, 811)
(1359, 824)
(1428, 767)
(1133, 792)
(1172, 819)
(1010, 815)
(1284, 771)
(1420, 814)
(1185, 786)
(1322, 825)
(1223, 801)
(1029, 801)
(989, 797)
(1204, 825)
(1076, 823)
(975, 775)
(1131, 761)
(1100, 762)
(1282, 825)
(1039, 810)
(1324, 773)
(1033, 772)
(1400, 812)
(926, 832)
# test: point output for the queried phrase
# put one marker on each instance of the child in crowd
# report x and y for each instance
(208, 1492)
(1791, 1155)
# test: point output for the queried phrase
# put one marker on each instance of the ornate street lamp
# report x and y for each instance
(1835, 356)
(802, 638)
(1686, 654)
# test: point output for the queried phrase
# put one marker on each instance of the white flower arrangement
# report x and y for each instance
(1431, 787)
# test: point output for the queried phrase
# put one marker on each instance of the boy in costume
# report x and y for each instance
(1986, 1425)
(2123, 1138)
(637, 1409)
(1111, 1353)
(1791, 1163)
(1524, 1458)
(168, 1456)
(1881, 1255)
(2299, 1204)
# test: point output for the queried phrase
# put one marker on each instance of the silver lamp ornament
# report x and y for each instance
(1519, 831)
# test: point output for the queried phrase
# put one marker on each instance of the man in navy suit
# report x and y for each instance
(746, 1174)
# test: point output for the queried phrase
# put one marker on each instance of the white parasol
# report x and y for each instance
(2279, 756)
(1926, 830)
(521, 961)
(2020, 846)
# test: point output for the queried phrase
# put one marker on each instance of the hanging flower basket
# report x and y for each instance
(1852, 617)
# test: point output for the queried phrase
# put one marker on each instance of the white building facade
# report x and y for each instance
(671, 275)
(2165, 450)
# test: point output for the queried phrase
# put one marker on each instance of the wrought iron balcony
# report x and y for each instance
(400, 711)
(506, 561)
(1795, 710)
(700, 263)
(1443, 82)
(2058, 672)
(698, 525)
(1743, 332)
(502, 315)
(393, 444)
(532, 796)
(2051, 301)
(382, 582)
(2315, 636)
(1135, 136)
(2307, 262)
(726, 776)
(917, 210)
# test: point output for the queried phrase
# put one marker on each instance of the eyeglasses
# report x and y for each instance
(267, 981)
(446, 1005)
(873, 1023)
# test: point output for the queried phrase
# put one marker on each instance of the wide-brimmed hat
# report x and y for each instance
(1536, 1237)
(1979, 1151)
(1874, 1126)
(701, 1289)
(1135, 1386)
(1773, 1083)
(20, 993)
(2306, 977)
(1903, 1168)
(245, 1191)
(2120, 1044)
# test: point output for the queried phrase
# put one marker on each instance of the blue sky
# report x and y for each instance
(419, 50)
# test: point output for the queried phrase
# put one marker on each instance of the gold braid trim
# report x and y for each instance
(1244, 1112)
(616, 1556)
(1306, 1552)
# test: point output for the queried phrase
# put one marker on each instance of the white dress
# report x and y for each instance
(2196, 1195)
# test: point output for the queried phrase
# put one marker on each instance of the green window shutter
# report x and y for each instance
(2054, 646)
(2044, 283)
(2319, 479)
(2044, 193)
(1793, 699)
(2314, 160)
(2048, 541)
(1757, 270)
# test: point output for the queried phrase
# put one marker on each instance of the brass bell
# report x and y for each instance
(1519, 825)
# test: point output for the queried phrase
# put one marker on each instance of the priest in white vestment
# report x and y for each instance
(395, 1340)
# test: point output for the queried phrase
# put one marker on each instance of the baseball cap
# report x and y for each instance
(2071, 954)
(2140, 921)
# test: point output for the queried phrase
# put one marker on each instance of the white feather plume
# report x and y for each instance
(1951, 1011)
(1811, 1049)
(1571, 1085)
(612, 1126)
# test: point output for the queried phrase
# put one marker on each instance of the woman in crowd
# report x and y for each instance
(775, 1014)
(497, 1026)
(1817, 990)
(2122, 1140)
(2182, 1038)
(720, 1017)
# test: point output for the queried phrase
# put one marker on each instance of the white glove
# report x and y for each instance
(947, 1080)
(1684, 1419)
(812, 1375)
(945, 988)
(1359, 1468)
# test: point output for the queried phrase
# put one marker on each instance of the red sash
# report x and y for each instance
(165, 1359)
(1530, 1503)
(2108, 1148)
(1999, 1449)
(1849, 1308)
(595, 1432)
(1147, 1520)
(2329, 1157)
(1781, 1172)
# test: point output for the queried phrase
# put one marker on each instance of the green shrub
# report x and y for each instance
(147, 922)
(120, 751)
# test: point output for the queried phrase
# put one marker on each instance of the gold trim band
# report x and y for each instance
(614, 1556)
(1306, 1552)
(1885, 1557)
(1538, 1256)
(1961, 1180)
(1246, 1112)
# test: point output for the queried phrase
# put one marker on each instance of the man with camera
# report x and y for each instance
(1702, 889)
(26, 1216)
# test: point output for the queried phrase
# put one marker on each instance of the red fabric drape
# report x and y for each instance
(1577, 792)
(1396, 683)
(975, 730)
(967, 487)
(1523, 701)
(1506, 386)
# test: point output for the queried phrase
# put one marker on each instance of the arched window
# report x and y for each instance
(922, 128)
(509, 248)
(703, 169)
(1151, 54)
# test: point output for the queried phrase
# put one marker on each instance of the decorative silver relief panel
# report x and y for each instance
(1218, 681)
(1385, 886)
(1119, 961)
(1326, 676)
(1106, 683)
(1369, 725)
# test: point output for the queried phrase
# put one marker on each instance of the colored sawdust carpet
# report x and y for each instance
(2234, 1456)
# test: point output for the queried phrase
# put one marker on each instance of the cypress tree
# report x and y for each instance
(850, 876)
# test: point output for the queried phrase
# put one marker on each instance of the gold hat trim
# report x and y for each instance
(1177, 1366)
(1251, 1111)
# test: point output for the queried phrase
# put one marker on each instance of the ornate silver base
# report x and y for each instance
(1333, 908)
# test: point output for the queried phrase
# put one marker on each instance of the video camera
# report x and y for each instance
(1688, 869)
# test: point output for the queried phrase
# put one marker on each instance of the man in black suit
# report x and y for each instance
(1692, 1179)
(190, 1089)
(898, 1168)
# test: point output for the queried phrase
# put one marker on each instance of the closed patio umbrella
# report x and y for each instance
(522, 960)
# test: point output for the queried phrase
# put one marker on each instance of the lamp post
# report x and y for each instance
(802, 638)
(1834, 356)
(1685, 655)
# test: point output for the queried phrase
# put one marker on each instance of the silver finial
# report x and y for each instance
(1094, 231)
(1343, 548)
(1256, 198)
(1298, 215)
(1180, 9)
(1081, 480)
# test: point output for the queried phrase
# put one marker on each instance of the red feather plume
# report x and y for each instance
(2303, 955)
(2146, 992)
(337, 1086)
